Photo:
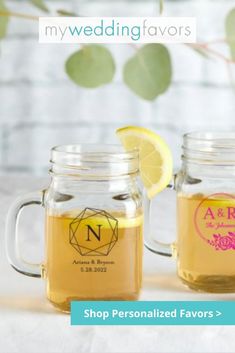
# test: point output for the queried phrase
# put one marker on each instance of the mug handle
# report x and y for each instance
(151, 244)
(12, 239)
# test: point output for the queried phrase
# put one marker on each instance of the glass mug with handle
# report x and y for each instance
(94, 226)
(205, 187)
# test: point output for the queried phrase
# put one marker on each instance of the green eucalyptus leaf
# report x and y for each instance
(40, 4)
(230, 31)
(91, 66)
(3, 20)
(66, 13)
(149, 72)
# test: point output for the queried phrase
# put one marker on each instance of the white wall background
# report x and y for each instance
(40, 107)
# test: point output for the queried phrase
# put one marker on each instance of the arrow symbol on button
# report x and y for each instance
(218, 313)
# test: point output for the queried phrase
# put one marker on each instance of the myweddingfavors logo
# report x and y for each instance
(117, 29)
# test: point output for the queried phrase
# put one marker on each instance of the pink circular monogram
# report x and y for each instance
(214, 220)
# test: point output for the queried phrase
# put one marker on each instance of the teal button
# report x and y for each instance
(153, 313)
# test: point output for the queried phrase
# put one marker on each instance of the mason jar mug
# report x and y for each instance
(94, 226)
(205, 187)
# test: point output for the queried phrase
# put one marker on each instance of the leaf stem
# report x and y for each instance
(230, 75)
(215, 41)
(19, 15)
(213, 52)
(134, 46)
(161, 6)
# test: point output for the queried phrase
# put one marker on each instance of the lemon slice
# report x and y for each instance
(154, 154)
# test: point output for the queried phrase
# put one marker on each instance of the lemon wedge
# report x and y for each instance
(155, 159)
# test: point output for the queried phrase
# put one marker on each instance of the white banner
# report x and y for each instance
(117, 29)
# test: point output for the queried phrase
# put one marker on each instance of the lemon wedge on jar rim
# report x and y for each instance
(155, 159)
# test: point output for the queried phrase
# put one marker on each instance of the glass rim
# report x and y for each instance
(84, 150)
(94, 160)
(209, 147)
(209, 136)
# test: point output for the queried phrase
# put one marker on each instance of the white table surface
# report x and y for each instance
(28, 323)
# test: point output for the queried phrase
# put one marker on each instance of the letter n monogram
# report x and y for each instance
(90, 231)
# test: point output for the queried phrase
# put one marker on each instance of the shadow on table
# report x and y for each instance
(166, 281)
(170, 282)
(32, 304)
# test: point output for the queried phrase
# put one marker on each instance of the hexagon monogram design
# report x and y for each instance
(93, 232)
